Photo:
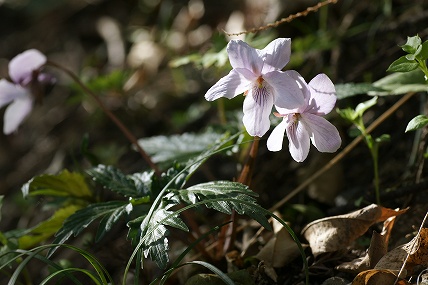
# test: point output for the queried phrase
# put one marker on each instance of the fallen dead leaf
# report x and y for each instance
(334, 233)
(417, 249)
(378, 248)
(377, 277)
(281, 249)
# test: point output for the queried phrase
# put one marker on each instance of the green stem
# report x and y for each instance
(112, 117)
(374, 152)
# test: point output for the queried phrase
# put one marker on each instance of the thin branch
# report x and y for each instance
(112, 117)
(285, 20)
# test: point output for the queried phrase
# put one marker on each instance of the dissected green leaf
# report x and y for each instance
(351, 89)
(177, 148)
(401, 83)
(81, 219)
(47, 228)
(135, 185)
(65, 184)
(417, 122)
(217, 195)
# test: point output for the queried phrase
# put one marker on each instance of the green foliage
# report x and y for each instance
(417, 122)
(400, 83)
(351, 89)
(110, 212)
(223, 196)
(355, 116)
(135, 185)
(66, 184)
(417, 54)
(178, 148)
(47, 228)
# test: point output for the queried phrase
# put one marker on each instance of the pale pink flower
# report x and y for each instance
(24, 71)
(257, 74)
(305, 123)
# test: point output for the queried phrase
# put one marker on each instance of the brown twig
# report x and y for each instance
(285, 20)
(228, 233)
(112, 117)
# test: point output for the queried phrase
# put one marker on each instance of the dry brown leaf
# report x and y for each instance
(377, 277)
(417, 249)
(378, 248)
(280, 250)
(337, 232)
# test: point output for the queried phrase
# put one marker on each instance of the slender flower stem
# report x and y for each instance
(228, 233)
(112, 117)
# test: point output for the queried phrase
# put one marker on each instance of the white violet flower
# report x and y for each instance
(304, 123)
(27, 80)
(257, 74)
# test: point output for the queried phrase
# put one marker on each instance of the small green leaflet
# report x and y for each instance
(417, 122)
(403, 64)
(135, 185)
(110, 212)
(65, 184)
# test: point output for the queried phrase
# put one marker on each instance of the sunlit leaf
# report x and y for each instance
(364, 106)
(334, 233)
(217, 195)
(417, 122)
(403, 65)
(47, 228)
(351, 89)
(135, 185)
(178, 148)
(65, 184)
(81, 219)
(412, 44)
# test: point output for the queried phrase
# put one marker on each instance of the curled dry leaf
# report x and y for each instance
(334, 233)
(281, 249)
(378, 248)
(416, 249)
(377, 277)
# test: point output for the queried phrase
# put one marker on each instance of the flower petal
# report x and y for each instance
(22, 65)
(257, 108)
(9, 92)
(16, 113)
(299, 142)
(286, 90)
(324, 136)
(323, 95)
(276, 138)
(241, 55)
(276, 54)
(229, 86)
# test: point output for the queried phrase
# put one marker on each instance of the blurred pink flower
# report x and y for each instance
(257, 74)
(24, 70)
(304, 123)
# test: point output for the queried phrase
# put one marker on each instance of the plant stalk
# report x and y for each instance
(112, 117)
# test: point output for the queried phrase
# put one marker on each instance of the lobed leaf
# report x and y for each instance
(135, 185)
(65, 184)
(81, 219)
(177, 148)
